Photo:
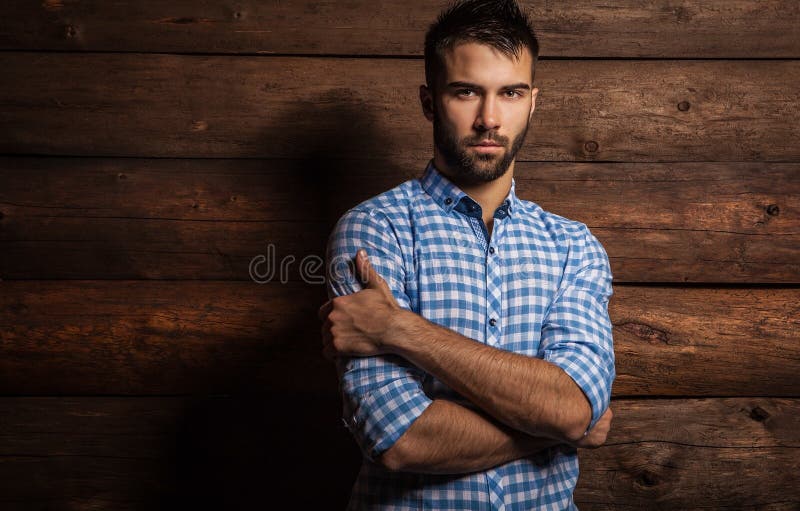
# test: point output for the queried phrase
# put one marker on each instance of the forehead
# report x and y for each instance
(486, 66)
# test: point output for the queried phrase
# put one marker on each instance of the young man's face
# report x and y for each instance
(483, 97)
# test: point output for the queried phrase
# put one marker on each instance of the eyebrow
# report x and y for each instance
(468, 85)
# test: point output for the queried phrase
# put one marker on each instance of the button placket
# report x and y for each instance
(494, 287)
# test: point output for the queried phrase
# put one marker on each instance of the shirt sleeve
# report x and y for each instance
(576, 332)
(382, 395)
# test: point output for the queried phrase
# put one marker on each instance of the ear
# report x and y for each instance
(534, 92)
(426, 100)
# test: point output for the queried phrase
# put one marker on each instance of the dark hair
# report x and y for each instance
(500, 24)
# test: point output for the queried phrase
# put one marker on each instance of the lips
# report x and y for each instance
(487, 144)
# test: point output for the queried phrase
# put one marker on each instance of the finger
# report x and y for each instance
(325, 309)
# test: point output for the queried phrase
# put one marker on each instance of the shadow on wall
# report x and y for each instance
(262, 448)
(330, 161)
(262, 452)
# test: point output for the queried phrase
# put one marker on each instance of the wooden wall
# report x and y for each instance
(150, 150)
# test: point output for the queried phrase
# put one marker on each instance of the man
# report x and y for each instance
(472, 340)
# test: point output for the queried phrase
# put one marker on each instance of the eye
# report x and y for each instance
(513, 93)
(464, 92)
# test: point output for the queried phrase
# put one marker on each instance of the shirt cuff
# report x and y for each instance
(589, 378)
(383, 415)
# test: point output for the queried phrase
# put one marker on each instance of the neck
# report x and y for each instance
(489, 195)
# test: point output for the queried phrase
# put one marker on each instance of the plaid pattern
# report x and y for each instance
(539, 285)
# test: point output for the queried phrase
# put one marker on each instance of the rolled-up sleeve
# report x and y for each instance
(382, 395)
(576, 332)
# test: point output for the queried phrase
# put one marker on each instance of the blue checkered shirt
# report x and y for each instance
(539, 285)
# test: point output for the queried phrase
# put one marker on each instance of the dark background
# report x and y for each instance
(150, 150)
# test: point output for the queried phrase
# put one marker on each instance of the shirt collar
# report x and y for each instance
(447, 195)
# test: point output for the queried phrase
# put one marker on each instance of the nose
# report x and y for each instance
(489, 115)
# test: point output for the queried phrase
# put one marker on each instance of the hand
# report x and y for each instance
(597, 435)
(356, 324)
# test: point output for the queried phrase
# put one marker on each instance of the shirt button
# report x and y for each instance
(448, 201)
(493, 322)
(491, 250)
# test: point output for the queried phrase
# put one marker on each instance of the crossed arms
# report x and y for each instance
(383, 349)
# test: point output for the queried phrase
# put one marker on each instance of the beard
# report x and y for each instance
(470, 167)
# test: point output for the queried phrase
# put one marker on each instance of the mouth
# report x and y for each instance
(486, 147)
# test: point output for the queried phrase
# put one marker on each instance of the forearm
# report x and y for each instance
(451, 439)
(526, 393)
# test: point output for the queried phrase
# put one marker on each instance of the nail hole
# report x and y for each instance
(773, 210)
(683, 106)
(591, 146)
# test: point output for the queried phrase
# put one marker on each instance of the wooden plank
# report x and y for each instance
(622, 28)
(695, 454)
(294, 107)
(201, 452)
(733, 453)
(97, 218)
(150, 337)
(140, 337)
(30, 482)
(687, 222)
(657, 476)
(696, 341)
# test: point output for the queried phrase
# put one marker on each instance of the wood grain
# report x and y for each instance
(733, 453)
(695, 454)
(150, 150)
(128, 337)
(622, 28)
(150, 338)
(294, 107)
(98, 218)
(706, 341)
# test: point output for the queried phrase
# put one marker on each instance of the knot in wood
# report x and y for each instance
(758, 414)
(647, 479)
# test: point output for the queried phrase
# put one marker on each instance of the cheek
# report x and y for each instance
(519, 119)
(459, 117)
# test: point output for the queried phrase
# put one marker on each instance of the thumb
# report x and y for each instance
(370, 278)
